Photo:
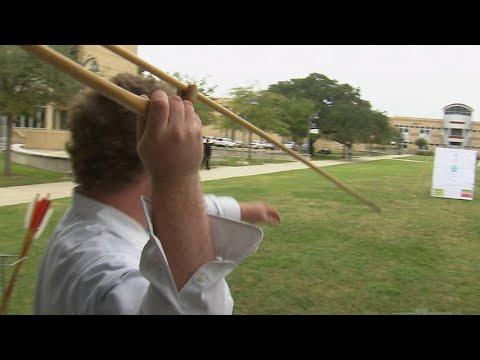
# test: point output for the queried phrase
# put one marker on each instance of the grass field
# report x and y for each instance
(26, 175)
(238, 161)
(331, 254)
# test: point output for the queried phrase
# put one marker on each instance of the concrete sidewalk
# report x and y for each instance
(24, 194)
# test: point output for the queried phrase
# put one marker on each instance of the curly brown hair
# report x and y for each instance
(102, 147)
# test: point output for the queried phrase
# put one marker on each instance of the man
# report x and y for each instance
(349, 151)
(207, 153)
(100, 259)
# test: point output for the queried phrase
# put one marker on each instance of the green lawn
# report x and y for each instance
(331, 254)
(238, 161)
(26, 175)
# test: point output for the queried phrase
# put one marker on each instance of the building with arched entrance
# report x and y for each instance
(456, 129)
(457, 125)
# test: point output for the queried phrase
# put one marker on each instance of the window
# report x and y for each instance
(457, 110)
(29, 121)
(24, 120)
(456, 132)
(3, 127)
(60, 119)
(425, 131)
(40, 118)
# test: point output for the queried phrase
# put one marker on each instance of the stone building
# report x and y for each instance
(47, 128)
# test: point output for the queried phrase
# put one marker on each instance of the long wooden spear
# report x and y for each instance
(139, 105)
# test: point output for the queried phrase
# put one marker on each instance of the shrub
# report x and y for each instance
(425, 152)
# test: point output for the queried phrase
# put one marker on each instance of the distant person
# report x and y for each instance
(311, 149)
(207, 153)
(349, 151)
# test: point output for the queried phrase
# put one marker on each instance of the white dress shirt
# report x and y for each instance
(101, 261)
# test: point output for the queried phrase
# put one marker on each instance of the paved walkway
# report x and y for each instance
(415, 161)
(24, 194)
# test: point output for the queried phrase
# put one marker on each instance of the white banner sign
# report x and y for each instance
(454, 173)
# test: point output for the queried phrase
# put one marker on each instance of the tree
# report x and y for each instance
(27, 83)
(263, 109)
(397, 138)
(421, 143)
(297, 115)
(206, 113)
(285, 116)
(343, 115)
(244, 102)
(324, 92)
(347, 123)
(352, 124)
(271, 112)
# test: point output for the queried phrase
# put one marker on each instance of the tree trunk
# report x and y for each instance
(250, 134)
(7, 169)
(344, 151)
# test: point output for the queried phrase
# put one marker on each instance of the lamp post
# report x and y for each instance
(372, 138)
(312, 121)
(252, 102)
(244, 152)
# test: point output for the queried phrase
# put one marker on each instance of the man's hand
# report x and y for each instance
(259, 213)
(169, 140)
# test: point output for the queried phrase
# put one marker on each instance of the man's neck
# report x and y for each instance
(126, 200)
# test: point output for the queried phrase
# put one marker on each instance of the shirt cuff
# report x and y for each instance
(206, 292)
(223, 206)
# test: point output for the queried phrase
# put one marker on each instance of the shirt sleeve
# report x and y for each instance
(206, 292)
(223, 206)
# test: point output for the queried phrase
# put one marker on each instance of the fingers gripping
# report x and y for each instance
(189, 94)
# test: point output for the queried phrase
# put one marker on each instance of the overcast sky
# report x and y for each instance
(401, 80)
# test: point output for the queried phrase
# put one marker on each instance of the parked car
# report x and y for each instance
(262, 145)
(225, 142)
(269, 146)
(208, 138)
(290, 145)
(256, 145)
(325, 151)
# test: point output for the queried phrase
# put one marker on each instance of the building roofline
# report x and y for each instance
(458, 104)
(409, 118)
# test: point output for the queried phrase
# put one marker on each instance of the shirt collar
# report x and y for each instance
(113, 219)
